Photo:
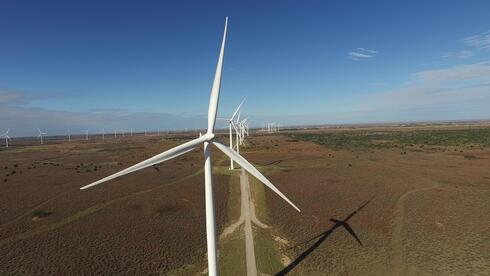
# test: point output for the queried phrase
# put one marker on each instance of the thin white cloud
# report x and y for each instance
(16, 97)
(367, 50)
(361, 53)
(23, 119)
(460, 72)
(481, 41)
(463, 54)
(458, 92)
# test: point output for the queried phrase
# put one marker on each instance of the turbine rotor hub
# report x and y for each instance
(209, 136)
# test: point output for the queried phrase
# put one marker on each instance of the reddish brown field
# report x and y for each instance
(149, 222)
(427, 210)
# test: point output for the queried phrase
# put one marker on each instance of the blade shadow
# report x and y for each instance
(322, 237)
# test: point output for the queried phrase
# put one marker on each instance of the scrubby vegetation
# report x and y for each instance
(40, 214)
(365, 139)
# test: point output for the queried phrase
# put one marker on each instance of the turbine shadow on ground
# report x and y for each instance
(322, 237)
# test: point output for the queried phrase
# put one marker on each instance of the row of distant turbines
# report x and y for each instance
(42, 134)
(271, 127)
(102, 134)
(237, 128)
(240, 128)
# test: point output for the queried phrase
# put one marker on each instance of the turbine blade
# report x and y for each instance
(238, 118)
(252, 170)
(213, 101)
(238, 108)
(159, 158)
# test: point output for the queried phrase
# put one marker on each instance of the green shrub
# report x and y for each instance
(40, 214)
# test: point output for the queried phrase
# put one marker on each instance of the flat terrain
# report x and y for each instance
(149, 222)
(427, 192)
(425, 195)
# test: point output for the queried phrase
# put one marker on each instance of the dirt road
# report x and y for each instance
(249, 240)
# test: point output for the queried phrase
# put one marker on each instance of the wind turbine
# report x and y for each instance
(231, 125)
(69, 136)
(86, 135)
(41, 135)
(103, 133)
(243, 128)
(7, 137)
(206, 139)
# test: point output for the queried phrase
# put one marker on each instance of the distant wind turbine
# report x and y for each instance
(7, 137)
(206, 140)
(231, 126)
(41, 135)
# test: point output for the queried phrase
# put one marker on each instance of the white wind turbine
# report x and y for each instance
(231, 125)
(86, 135)
(243, 128)
(69, 136)
(206, 139)
(7, 137)
(41, 135)
(103, 133)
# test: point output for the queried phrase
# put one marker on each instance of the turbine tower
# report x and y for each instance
(41, 135)
(206, 139)
(238, 139)
(7, 137)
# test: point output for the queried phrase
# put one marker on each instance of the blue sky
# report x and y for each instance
(118, 64)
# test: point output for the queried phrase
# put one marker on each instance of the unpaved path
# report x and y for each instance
(247, 217)
(249, 240)
(397, 239)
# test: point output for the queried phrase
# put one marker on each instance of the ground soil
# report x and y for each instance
(428, 210)
(149, 222)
